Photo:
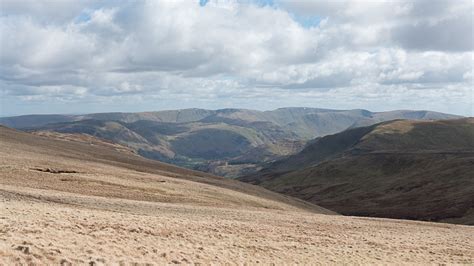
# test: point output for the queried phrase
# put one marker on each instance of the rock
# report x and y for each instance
(23, 249)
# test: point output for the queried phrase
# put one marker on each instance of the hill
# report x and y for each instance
(31, 155)
(69, 201)
(419, 170)
(228, 142)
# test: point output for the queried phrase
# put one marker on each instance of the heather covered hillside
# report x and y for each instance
(400, 169)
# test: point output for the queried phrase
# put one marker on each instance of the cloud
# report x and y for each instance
(452, 34)
(323, 82)
(439, 25)
(47, 13)
(223, 51)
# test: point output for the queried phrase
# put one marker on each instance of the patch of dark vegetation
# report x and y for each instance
(24, 249)
(212, 144)
(54, 171)
(149, 129)
(400, 169)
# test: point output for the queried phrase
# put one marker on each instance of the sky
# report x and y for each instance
(69, 56)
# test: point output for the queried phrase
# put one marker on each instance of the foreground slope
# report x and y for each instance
(420, 170)
(227, 142)
(65, 202)
(96, 169)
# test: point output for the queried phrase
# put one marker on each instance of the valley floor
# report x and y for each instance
(47, 226)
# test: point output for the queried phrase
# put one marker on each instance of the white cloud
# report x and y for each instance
(227, 51)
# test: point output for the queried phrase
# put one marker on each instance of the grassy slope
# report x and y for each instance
(400, 169)
(36, 150)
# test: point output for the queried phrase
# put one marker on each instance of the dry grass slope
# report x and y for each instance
(64, 202)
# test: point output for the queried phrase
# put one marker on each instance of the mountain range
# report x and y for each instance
(422, 170)
(226, 142)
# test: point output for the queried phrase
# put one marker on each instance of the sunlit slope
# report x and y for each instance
(31, 161)
(402, 169)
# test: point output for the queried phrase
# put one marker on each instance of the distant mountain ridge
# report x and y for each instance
(281, 116)
(229, 142)
(405, 169)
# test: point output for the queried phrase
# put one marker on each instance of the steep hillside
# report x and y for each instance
(191, 144)
(67, 201)
(85, 138)
(30, 156)
(401, 169)
(229, 142)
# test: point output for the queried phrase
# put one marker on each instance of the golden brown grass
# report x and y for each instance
(108, 207)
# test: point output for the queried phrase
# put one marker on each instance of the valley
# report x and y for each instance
(420, 170)
(236, 132)
(65, 201)
(226, 142)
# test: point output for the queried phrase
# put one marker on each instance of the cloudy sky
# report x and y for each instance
(98, 56)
